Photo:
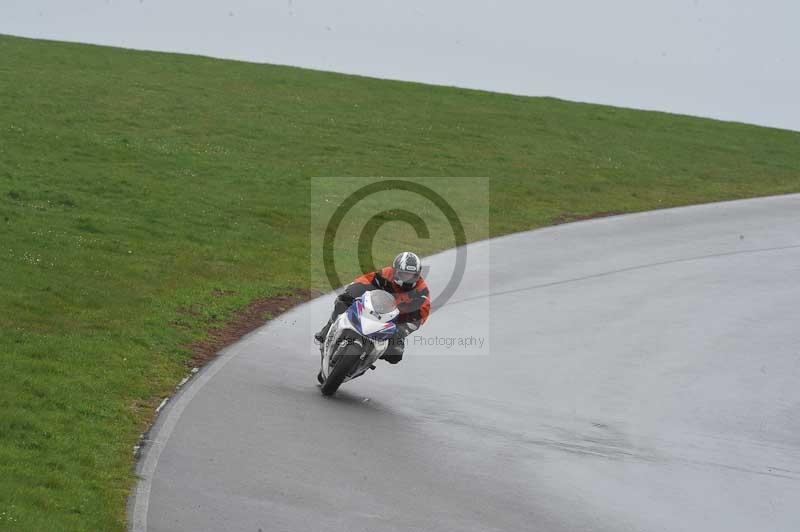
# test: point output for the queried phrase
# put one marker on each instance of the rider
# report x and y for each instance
(403, 279)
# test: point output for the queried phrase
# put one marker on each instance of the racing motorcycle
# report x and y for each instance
(357, 339)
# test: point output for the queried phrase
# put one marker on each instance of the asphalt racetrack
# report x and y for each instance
(640, 373)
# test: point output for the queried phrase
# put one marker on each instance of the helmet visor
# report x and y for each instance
(405, 277)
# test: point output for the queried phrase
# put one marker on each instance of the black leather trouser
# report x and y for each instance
(394, 353)
(341, 304)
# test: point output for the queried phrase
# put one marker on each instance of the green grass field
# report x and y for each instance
(144, 197)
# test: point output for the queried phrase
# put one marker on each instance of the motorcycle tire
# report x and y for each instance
(345, 363)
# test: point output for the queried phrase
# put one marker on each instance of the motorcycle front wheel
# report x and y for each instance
(345, 363)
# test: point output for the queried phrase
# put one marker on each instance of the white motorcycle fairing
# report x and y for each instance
(368, 323)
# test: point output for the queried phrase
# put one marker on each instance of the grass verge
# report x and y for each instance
(146, 197)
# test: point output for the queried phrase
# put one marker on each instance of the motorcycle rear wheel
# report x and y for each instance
(345, 363)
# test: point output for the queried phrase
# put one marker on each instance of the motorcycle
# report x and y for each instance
(357, 339)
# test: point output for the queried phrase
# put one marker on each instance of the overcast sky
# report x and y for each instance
(730, 59)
